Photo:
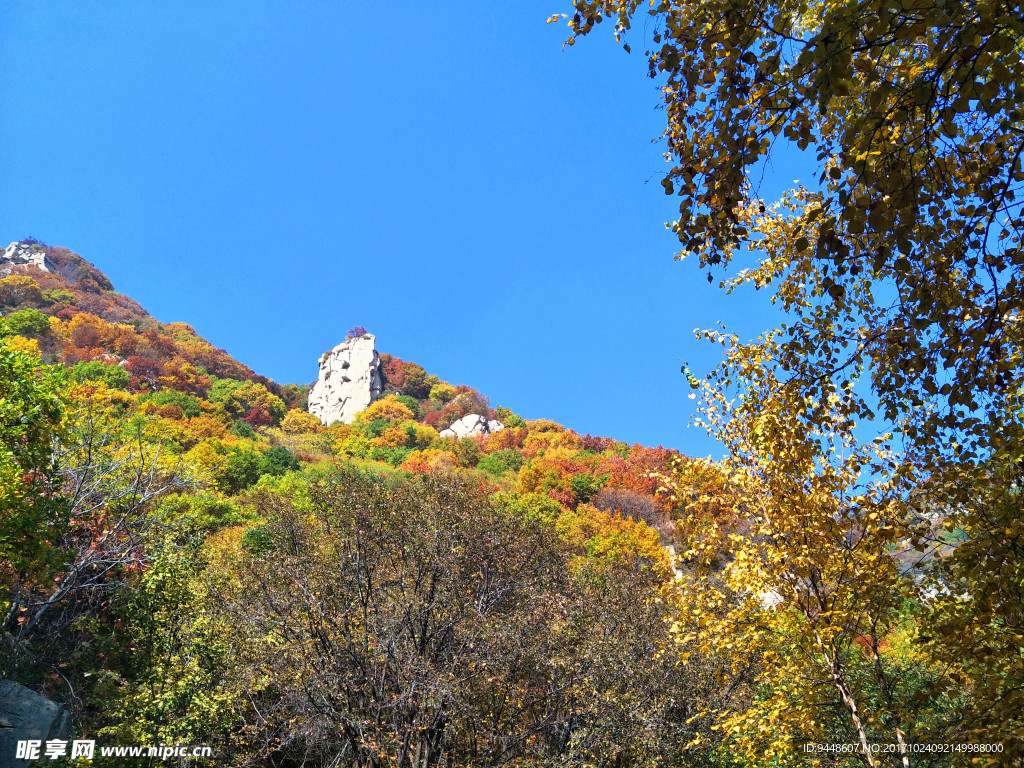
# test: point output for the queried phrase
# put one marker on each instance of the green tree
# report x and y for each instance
(115, 376)
(32, 410)
(25, 322)
(499, 462)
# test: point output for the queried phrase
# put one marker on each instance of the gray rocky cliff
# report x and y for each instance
(23, 255)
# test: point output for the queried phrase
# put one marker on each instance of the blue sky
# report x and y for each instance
(274, 173)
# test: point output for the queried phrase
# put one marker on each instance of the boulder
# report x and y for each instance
(350, 379)
(472, 425)
(21, 255)
(24, 716)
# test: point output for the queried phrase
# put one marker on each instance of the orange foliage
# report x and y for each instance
(206, 427)
(430, 459)
(392, 437)
(510, 437)
(641, 471)
(182, 375)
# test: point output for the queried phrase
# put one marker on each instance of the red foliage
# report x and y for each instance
(258, 417)
(144, 367)
(565, 497)
(510, 437)
(394, 370)
(86, 337)
(170, 411)
(639, 471)
(434, 418)
(162, 346)
(597, 444)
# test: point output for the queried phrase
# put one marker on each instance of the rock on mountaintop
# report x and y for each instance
(21, 255)
(471, 425)
(350, 379)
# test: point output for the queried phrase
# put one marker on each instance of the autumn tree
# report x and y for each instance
(17, 290)
(889, 403)
(108, 470)
(32, 404)
(424, 625)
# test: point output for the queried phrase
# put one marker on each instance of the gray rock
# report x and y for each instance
(350, 379)
(25, 715)
(472, 425)
(21, 255)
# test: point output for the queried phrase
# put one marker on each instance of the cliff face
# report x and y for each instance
(350, 379)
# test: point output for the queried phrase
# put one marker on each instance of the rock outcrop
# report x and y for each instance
(472, 425)
(24, 716)
(350, 379)
(22, 255)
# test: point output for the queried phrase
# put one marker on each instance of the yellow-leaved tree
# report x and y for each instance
(875, 436)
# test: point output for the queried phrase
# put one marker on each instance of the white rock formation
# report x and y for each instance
(350, 379)
(23, 254)
(472, 425)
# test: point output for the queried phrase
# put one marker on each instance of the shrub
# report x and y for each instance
(389, 408)
(115, 376)
(144, 367)
(636, 506)
(256, 541)
(412, 404)
(25, 322)
(220, 390)
(19, 289)
(59, 296)
(243, 470)
(509, 419)
(467, 451)
(442, 393)
(188, 404)
(585, 486)
(279, 460)
(392, 456)
(299, 422)
(500, 462)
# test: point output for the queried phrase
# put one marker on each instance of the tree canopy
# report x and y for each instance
(875, 434)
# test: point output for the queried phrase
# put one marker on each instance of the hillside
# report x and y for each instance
(161, 500)
(61, 306)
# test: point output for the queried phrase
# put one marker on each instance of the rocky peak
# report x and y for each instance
(350, 379)
(22, 255)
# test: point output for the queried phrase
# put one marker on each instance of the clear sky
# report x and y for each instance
(274, 173)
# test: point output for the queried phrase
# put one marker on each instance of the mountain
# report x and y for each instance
(190, 555)
(59, 306)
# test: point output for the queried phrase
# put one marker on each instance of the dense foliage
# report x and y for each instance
(875, 437)
(188, 556)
